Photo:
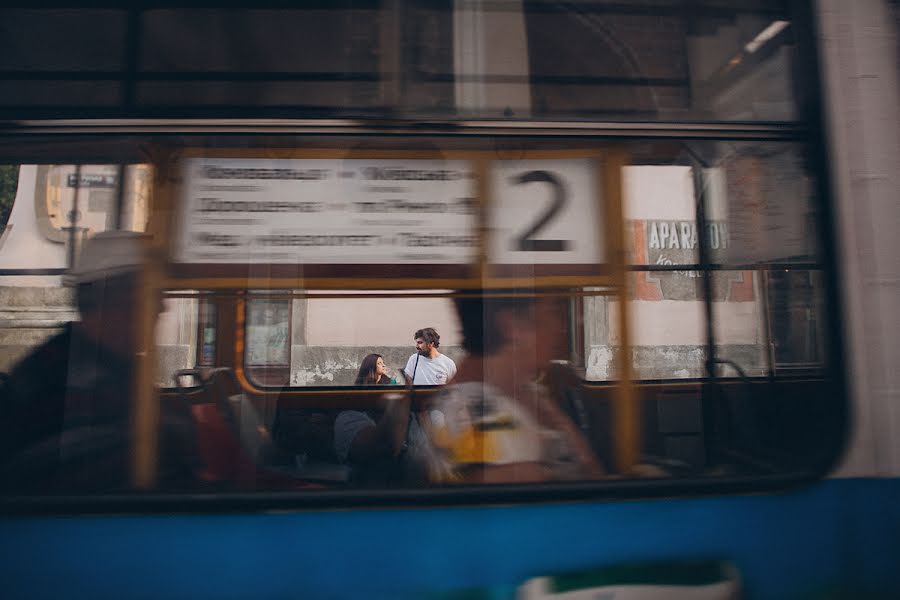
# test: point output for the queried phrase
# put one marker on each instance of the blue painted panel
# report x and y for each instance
(838, 537)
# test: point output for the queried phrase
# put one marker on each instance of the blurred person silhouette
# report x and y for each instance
(495, 423)
(65, 408)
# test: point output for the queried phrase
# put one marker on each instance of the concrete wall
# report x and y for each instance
(28, 316)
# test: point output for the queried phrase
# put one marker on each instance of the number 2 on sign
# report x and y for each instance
(525, 242)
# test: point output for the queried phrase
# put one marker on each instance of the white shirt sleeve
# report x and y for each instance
(451, 367)
(410, 365)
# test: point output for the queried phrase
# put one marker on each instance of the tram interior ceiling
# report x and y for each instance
(368, 251)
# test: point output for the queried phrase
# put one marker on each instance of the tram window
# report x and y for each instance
(322, 341)
(770, 316)
(739, 322)
(759, 212)
(268, 345)
(332, 59)
(206, 336)
(670, 62)
(766, 194)
(176, 338)
(797, 322)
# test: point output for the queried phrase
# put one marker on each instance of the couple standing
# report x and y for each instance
(426, 367)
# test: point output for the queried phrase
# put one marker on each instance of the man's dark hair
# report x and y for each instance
(478, 319)
(429, 335)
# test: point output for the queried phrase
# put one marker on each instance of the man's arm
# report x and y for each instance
(451, 367)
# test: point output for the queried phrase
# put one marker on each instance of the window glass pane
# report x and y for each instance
(20, 93)
(666, 61)
(326, 59)
(176, 339)
(330, 337)
(273, 40)
(268, 353)
(273, 370)
(739, 322)
(58, 39)
(798, 320)
(206, 354)
(764, 194)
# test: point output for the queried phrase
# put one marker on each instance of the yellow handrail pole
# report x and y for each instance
(145, 404)
(626, 414)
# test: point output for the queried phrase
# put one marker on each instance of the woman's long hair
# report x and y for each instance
(366, 375)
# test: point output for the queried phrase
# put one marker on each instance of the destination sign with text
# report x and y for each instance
(318, 211)
(537, 217)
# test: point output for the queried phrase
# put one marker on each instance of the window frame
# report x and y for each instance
(119, 141)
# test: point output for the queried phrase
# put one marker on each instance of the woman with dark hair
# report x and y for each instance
(372, 371)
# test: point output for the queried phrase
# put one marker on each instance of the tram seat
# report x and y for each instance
(231, 440)
(673, 436)
(213, 449)
(306, 432)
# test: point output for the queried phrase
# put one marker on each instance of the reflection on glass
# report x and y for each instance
(268, 331)
(712, 63)
(766, 196)
(85, 198)
(207, 343)
(583, 60)
(268, 339)
(739, 322)
(176, 338)
(797, 322)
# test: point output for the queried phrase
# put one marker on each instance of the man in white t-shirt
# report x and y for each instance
(428, 366)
